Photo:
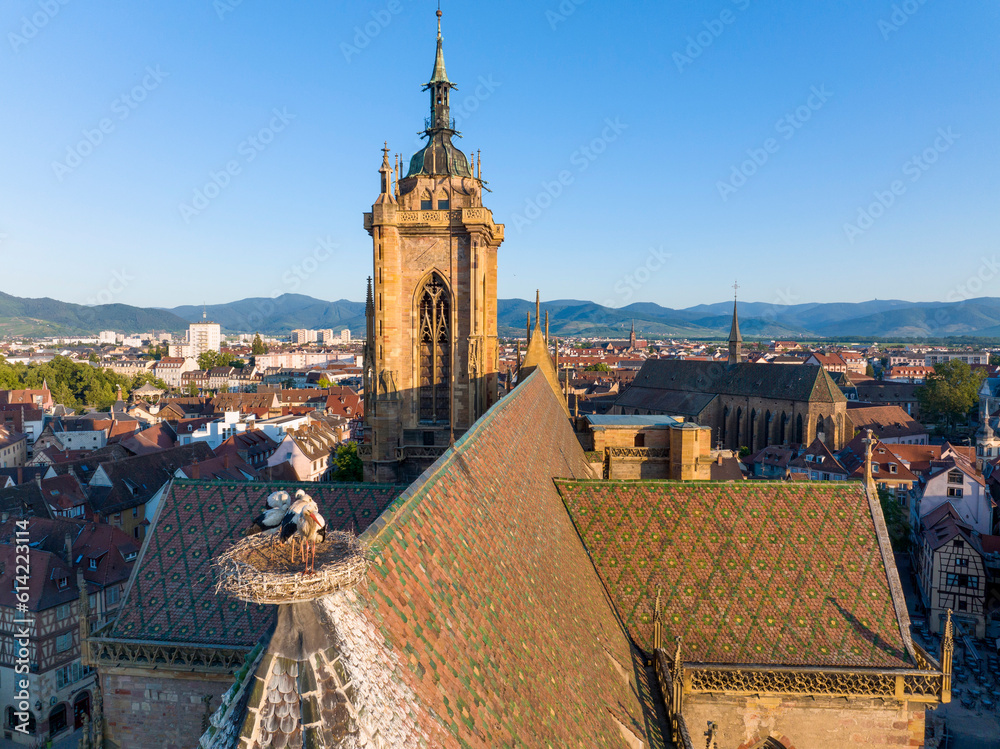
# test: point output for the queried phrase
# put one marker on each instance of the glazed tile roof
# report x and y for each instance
(171, 597)
(769, 573)
(485, 603)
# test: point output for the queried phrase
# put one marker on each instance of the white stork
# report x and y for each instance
(303, 522)
(269, 521)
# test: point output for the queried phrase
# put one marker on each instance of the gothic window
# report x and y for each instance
(798, 429)
(767, 428)
(783, 437)
(725, 425)
(434, 309)
(753, 431)
(739, 426)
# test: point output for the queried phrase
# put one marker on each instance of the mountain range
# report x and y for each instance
(880, 319)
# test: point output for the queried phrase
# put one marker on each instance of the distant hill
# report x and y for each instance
(48, 317)
(280, 314)
(879, 319)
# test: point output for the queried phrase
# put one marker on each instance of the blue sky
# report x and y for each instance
(640, 151)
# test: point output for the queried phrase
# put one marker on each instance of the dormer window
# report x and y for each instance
(893, 468)
(93, 563)
(874, 467)
(63, 582)
(955, 477)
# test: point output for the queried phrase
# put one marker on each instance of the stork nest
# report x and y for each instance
(259, 569)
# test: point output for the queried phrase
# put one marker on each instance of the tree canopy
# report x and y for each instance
(952, 392)
(71, 383)
(210, 359)
(347, 464)
(599, 367)
(257, 347)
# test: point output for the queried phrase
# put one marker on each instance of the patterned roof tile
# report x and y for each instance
(171, 597)
(757, 572)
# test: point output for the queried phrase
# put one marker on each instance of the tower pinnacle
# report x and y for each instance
(735, 339)
(439, 156)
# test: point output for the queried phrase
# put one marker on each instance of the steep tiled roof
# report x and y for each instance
(784, 383)
(490, 612)
(172, 595)
(134, 481)
(759, 572)
(887, 422)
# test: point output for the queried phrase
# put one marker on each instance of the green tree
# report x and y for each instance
(895, 520)
(207, 360)
(870, 371)
(952, 392)
(599, 367)
(347, 464)
(324, 383)
(191, 389)
(143, 378)
(257, 347)
(94, 357)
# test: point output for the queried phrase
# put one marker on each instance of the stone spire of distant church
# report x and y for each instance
(631, 338)
(735, 339)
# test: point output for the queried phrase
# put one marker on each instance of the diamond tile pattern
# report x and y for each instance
(754, 572)
(173, 599)
(486, 598)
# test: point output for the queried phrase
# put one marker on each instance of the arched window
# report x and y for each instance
(739, 427)
(767, 428)
(725, 425)
(753, 431)
(435, 351)
(798, 429)
(820, 430)
(783, 436)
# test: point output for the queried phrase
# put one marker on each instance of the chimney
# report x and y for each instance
(195, 471)
(68, 541)
(225, 461)
(20, 475)
(719, 459)
(38, 480)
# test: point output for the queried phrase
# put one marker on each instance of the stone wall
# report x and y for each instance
(158, 710)
(807, 723)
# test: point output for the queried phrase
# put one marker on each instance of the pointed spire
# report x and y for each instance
(385, 171)
(538, 307)
(735, 339)
(439, 75)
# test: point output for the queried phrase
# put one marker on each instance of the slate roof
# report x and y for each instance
(783, 383)
(172, 598)
(134, 481)
(771, 573)
(484, 603)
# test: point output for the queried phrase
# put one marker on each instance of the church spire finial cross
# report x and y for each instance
(736, 289)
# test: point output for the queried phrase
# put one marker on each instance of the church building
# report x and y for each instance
(746, 405)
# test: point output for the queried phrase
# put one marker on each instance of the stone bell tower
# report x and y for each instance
(432, 351)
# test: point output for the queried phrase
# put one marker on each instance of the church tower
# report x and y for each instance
(735, 339)
(433, 353)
